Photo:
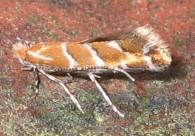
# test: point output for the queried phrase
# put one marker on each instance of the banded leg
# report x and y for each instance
(69, 80)
(58, 81)
(93, 79)
(37, 80)
(124, 72)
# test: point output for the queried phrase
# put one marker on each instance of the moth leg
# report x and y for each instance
(37, 80)
(69, 80)
(93, 79)
(58, 81)
(124, 72)
(69, 75)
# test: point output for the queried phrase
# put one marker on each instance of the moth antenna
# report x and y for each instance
(125, 73)
(93, 79)
(58, 81)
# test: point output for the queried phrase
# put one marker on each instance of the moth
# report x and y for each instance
(138, 50)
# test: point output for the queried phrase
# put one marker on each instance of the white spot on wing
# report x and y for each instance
(36, 55)
(149, 63)
(43, 48)
(98, 60)
(115, 45)
(72, 62)
(123, 64)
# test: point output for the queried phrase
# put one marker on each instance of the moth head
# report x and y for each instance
(19, 50)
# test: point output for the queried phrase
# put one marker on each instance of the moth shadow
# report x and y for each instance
(177, 70)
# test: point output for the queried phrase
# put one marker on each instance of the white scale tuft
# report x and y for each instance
(149, 63)
(115, 45)
(152, 38)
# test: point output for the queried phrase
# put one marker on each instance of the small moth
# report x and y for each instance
(137, 50)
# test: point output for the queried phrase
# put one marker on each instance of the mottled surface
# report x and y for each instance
(164, 104)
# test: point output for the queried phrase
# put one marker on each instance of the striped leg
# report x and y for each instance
(93, 79)
(37, 80)
(69, 80)
(58, 81)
